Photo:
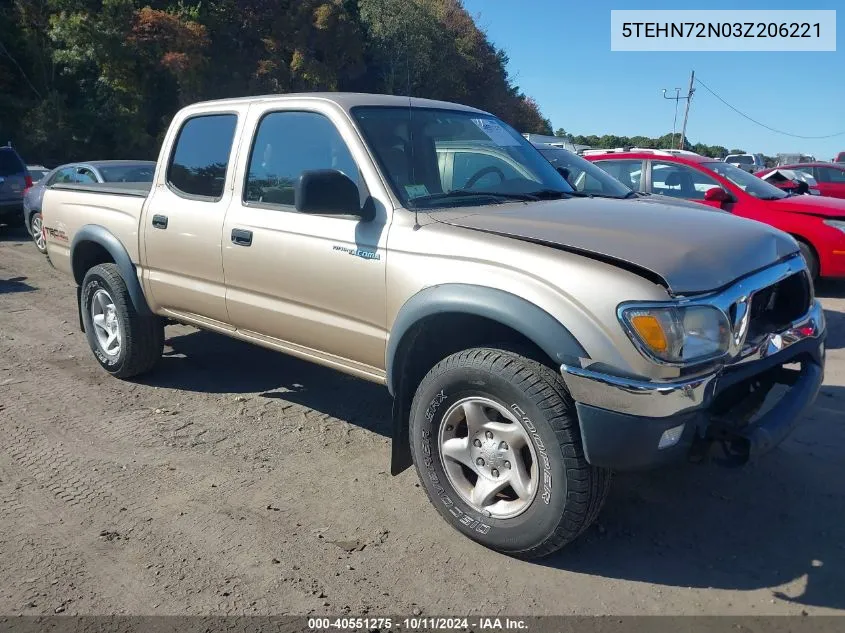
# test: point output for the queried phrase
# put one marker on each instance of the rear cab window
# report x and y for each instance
(200, 158)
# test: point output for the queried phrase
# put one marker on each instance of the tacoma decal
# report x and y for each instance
(357, 252)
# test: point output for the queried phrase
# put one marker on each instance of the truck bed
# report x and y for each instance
(68, 207)
(135, 189)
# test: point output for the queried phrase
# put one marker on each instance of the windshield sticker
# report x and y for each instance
(416, 191)
(495, 132)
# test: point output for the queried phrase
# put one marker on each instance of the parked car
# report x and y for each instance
(533, 341)
(829, 177)
(589, 180)
(818, 223)
(791, 159)
(37, 172)
(108, 171)
(14, 179)
(746, 162)
(792, 181)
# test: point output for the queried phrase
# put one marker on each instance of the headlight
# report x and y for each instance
(678, 334)
(837, 224)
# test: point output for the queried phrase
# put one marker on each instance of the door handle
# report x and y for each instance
(241, 237)
(160, 221)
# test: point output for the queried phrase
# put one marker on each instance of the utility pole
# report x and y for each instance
(676, 98)
(686, 110)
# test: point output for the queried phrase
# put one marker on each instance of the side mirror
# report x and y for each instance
(329, 192)
(802, 187)
(717, 194)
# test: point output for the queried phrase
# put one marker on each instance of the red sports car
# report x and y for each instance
(830, 177)
(817, 222)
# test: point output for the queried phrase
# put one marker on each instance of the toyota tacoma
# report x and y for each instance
(533, 341)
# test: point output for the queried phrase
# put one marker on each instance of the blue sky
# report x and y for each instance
(560, 54)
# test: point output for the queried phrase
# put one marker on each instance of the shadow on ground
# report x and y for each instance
(830, 289)
(207, 362)
(15, 284)
(759, 526)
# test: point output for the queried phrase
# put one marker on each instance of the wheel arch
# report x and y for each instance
(93, 245)
(441, 320)
(801, 239)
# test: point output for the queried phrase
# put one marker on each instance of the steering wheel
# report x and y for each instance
(490, 169)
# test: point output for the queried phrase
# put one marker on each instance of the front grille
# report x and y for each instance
(775, 307)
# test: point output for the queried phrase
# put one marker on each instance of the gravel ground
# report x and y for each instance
(234, 480)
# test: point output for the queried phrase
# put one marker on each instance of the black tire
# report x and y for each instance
(570, 493)
(810, 257)
(141, 337)
(35, 219)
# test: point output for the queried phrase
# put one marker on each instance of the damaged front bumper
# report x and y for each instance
(629, 424)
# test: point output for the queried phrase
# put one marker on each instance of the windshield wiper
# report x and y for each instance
(469, 193)
(584, 194)
(550, 194)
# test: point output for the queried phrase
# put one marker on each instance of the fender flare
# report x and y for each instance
(549, 334)
(103, 237)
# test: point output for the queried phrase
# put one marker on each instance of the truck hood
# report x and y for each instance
(687, 250)
(811, 205)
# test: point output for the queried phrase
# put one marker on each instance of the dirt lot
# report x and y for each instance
(235, 480)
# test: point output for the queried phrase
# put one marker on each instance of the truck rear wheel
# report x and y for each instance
(124, 342)
(496, 444)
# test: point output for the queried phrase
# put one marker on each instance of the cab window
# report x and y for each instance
(832, 175)
(679, 181)
(287, 144)
(628, 172)
(201, 156)
(84, 176)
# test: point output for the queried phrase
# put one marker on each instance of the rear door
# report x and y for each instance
(12, 177)
(183, 219)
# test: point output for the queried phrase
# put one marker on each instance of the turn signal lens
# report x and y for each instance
(650, 332)
(678, 334)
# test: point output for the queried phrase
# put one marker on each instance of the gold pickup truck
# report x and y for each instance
(533, 340)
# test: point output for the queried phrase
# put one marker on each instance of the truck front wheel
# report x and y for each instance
(124, 342)
(496, 444)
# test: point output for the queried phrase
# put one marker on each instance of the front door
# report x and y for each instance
(677, 180)
(311, 284)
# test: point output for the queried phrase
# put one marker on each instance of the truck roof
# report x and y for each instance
(346, 100)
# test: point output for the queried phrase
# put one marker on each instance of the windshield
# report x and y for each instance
(742, 159)
(446, 158)
(749, 183)
(585, 177)
(141, 172)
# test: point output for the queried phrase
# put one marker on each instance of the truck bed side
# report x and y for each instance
(69, 207)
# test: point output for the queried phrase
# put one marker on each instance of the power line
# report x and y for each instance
(768, 127)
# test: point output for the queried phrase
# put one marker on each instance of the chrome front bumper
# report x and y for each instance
(661, 399)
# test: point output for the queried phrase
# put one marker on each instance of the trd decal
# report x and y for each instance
(56, 233)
